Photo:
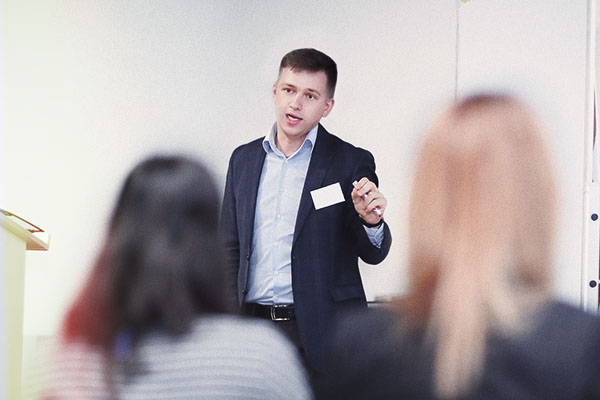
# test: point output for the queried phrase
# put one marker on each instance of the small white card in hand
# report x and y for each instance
(327, 196)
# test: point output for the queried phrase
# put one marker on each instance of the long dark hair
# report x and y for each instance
(162, 263)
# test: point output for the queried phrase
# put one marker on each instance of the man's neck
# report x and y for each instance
(289, 147)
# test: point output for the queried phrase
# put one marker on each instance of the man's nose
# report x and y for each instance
(296, 103)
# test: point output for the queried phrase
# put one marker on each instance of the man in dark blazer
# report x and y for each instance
(300, 207)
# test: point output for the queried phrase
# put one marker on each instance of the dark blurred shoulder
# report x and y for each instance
(374, 355)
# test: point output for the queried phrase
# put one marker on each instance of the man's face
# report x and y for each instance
(301, 100)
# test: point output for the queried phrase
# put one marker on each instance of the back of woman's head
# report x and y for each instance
(481, 231)
(162, 263)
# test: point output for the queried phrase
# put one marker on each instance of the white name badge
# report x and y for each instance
(327, 196)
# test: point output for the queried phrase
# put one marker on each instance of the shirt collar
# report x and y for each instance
(309, 140)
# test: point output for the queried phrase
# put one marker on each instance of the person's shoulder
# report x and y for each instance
(380, 342)
(335, 142)
(561, 352)
(76, 353)
(562, 328)
(241, 329)
(355, 329)
(246, 148)
(378, 317)
(224, 333)
(332, 139)
(75, 367)
(572, 324)
(261, 346)
(570, 315)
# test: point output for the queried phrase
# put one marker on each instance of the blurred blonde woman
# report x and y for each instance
(479, 321)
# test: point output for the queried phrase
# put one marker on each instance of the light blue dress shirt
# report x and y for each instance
(277, 203)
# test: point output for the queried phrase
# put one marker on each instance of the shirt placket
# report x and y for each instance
(277, 230)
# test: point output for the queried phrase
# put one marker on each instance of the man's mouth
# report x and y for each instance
(293, 118)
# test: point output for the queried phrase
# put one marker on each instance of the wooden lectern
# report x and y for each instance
(15, 239)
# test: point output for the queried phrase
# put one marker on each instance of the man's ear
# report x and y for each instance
(274, 90)
(330, 104)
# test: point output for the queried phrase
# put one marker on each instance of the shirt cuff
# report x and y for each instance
(375, 235)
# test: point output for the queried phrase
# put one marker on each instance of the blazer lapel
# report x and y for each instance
(319, 164)
(251, 179)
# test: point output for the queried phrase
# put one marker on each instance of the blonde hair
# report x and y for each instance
(481, 232)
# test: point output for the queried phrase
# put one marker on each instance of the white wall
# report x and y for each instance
(93, 87)
(539, 54)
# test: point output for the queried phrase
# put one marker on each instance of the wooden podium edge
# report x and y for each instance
(32, 241)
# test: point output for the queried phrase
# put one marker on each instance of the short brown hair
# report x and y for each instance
(311, 60)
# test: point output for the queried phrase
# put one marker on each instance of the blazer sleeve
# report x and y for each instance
(369, 253)
(229, 227)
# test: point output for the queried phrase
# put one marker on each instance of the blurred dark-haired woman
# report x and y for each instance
(155, 319)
